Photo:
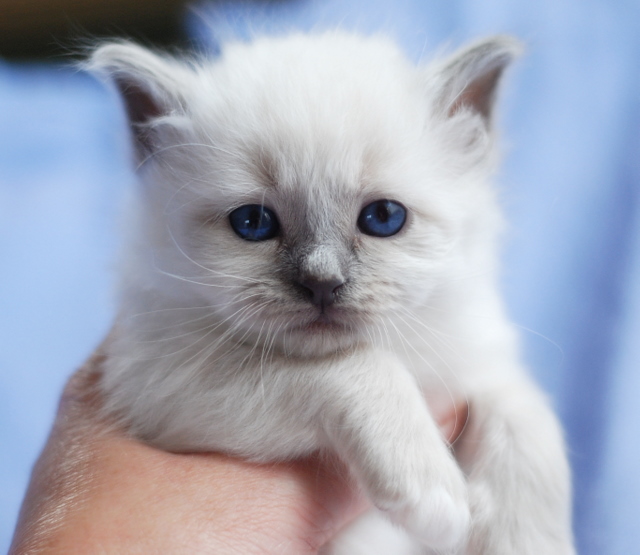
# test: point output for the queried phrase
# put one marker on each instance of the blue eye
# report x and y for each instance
(382, 218)
(254, 222)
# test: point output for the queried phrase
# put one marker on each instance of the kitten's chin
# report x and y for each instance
(319, 336)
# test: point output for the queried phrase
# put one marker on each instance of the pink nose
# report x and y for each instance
(322, 293)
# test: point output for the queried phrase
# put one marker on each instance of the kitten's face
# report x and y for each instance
(308, 198)
(315, 280)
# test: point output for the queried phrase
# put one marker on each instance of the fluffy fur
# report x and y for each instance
(217, 346)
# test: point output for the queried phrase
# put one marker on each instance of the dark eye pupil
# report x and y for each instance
(254, 219)
(382, 213)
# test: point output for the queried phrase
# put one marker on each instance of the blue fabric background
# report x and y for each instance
(570, 187)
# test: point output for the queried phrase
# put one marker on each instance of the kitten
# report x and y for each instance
(312, 267)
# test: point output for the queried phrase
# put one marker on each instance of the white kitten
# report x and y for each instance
(314, 257)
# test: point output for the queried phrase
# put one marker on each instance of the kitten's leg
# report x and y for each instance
(377, 421)
(519, 483)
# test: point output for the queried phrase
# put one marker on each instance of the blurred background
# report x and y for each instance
(570, 186)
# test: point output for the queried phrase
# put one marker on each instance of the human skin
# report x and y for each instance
(96, 490)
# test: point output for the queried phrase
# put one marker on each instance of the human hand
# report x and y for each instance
(96, 490)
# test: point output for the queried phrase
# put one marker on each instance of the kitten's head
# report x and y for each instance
(308, 187)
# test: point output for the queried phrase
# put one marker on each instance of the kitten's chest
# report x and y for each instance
(439, 362)
(440, 382)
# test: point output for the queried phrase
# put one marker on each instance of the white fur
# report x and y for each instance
(216, 349)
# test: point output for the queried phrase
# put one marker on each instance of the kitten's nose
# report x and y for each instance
(322, 292)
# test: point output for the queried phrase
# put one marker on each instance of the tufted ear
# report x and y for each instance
(151, 86)
(468, 80)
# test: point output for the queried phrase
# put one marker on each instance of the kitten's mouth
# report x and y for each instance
(319, 326)
(312, 334)
(323, 323)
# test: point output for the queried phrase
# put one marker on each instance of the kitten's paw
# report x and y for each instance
(439, 520)
(427, 496)
(504, 527)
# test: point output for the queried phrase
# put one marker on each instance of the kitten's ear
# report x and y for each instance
(468, 80)
(151, 86)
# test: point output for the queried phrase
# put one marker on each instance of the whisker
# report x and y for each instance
(432, 368)
(437, 334)
(233, 300)
(204, 336)
(210, 270)
(222, 339)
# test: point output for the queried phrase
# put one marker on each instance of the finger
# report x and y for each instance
(453, 421)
